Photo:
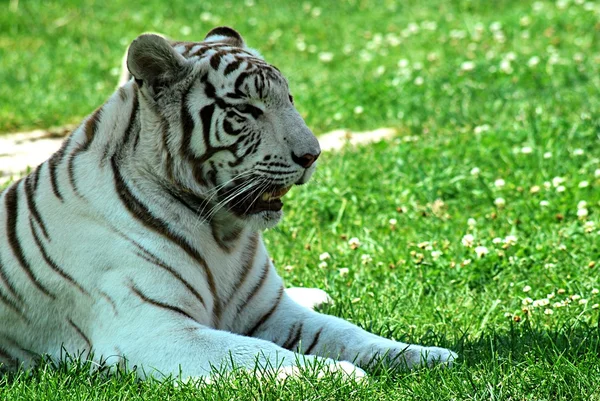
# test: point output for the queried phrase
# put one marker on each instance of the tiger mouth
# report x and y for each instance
(269, 200)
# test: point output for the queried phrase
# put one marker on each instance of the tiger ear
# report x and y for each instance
(152, 60)
(225, 34)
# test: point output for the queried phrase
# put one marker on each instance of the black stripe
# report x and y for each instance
(132, 119)
(267, 315)
(258, 285)
(141, 212)
(147, 256)
(12, 212)
(90, 128)
(36, 176)
(160, 304)
(292, 342)
(8, 284)
(12, 305)
(206, 114)
(110, 301)
(187, 127)
(249, 255)
(53, 162)
(52, 263)
(81, 333)
(30, 194)
(314, 342)
(232, 66)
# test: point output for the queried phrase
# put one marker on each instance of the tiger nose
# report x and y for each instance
(305, 160)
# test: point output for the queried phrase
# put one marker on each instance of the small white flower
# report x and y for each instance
(185, 30)
(435, 255)
(581, 204)
(541, 302)
(468, 240)
(344, 271)
(583, 184)
(471, 222)
(358, 110)
(527, 288)
(466, 262)
(595, 306)
(467, 66)
(497, 241)
(481, 251)
(366, 259)
(403, 63)
(533, 61)
(325, 57)
(556, 181)
(595, 291)
(323, 265)
(547, 155)
(354, 243)
(506, 67)
(583, 301)
(288, 268)
(495, 26)
(578, 152)
(526, 150)
(560, 188)
(597, 173)
(527, 301)
(589, 226)
(535, 189)
(419, 81)
(575, 297)
(582, 213)
(475, 171)
(548, 311)
(324, 256)
(500, 202)
(544, 203)
(481, 128)
(499, 183)
(510, 240)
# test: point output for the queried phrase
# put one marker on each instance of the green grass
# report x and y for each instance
(534, 125)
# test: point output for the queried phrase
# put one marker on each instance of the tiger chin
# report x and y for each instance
(139, 242)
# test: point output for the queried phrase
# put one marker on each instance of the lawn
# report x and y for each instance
(477, 227)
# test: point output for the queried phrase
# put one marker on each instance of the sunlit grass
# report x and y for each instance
(475, 229)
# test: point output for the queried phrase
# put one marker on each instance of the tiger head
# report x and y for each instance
(225, 126)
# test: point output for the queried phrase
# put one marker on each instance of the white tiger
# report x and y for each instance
(140, 239)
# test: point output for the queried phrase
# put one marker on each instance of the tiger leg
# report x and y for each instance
(167, 345)
(300, 329)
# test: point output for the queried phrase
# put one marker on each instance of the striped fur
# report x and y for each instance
(139, 241)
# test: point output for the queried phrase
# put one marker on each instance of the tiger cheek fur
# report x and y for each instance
(139, 241)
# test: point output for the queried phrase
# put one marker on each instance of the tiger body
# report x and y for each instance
(140, 241)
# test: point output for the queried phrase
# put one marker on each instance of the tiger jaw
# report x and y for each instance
(268, 201)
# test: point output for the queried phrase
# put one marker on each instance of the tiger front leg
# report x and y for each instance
(297, 328)
(162, 344)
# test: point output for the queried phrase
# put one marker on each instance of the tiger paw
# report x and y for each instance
(308, 297)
